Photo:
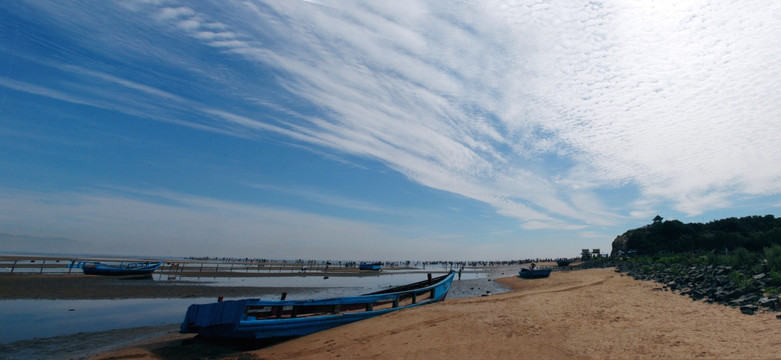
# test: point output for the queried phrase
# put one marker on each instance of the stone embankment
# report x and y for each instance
(711, 283)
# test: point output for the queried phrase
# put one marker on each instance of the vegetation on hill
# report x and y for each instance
(735, 261)
(752, 233)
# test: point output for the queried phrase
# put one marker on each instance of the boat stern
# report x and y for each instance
(215, 319)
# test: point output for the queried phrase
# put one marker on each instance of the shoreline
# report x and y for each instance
(82, 287)
(583, 314)
(93, 287)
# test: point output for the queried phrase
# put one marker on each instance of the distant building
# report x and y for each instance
(658, 219)
(586, 254)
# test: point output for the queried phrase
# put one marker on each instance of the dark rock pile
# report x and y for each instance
(714, 284)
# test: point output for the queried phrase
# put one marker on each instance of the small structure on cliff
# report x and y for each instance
(586, 254)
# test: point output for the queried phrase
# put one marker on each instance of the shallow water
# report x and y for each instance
(47, 329)
(29, 319)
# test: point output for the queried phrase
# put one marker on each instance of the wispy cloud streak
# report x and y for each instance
(533, 108)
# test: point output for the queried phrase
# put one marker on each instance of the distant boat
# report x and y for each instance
(123, 269)
(528, 273)
(370, 266)
(265, 319)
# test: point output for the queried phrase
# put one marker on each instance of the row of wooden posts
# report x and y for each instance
(173, 267)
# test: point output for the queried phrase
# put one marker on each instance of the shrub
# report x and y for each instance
(743, 282)
(774, 279)
(742, 258)
(773, 257)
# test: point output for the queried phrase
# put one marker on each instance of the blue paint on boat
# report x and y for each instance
(372, 266)
(264, 319)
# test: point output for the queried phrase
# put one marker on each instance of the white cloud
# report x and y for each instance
(161, 222)
(511, 104)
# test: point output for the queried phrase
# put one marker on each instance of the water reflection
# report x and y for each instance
(28, 319)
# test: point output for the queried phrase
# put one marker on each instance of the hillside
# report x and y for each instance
(754, 233)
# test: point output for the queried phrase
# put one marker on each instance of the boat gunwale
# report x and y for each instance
(352, 300)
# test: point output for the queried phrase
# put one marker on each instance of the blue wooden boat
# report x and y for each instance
(370, 266)
(529, 273)
(266, 319)
(123, 269)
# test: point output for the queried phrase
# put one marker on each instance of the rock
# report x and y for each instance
(697, 294)
(767, 302)
(748, 309)
(723, 270)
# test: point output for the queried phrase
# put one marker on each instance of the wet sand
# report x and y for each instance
(82, 345)
(588, 314)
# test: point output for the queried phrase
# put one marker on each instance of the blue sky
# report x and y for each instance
(383, 130)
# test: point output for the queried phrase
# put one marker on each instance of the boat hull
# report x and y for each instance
(234, 319)
(374, 267)
(534, 274)
(132, 269)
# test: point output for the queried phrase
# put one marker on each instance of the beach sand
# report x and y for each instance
(588, 314)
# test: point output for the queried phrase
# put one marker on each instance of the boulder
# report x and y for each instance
(619, 244)
(768, 302)
(748, 309)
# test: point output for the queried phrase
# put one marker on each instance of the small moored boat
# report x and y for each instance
(370, 266)
(265, 319)
(123, 269)
(529, 273)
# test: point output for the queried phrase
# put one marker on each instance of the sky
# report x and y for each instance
(386, 130)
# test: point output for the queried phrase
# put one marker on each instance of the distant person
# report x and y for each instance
(459, 273)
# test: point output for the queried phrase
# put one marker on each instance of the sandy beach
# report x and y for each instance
(587, 314)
